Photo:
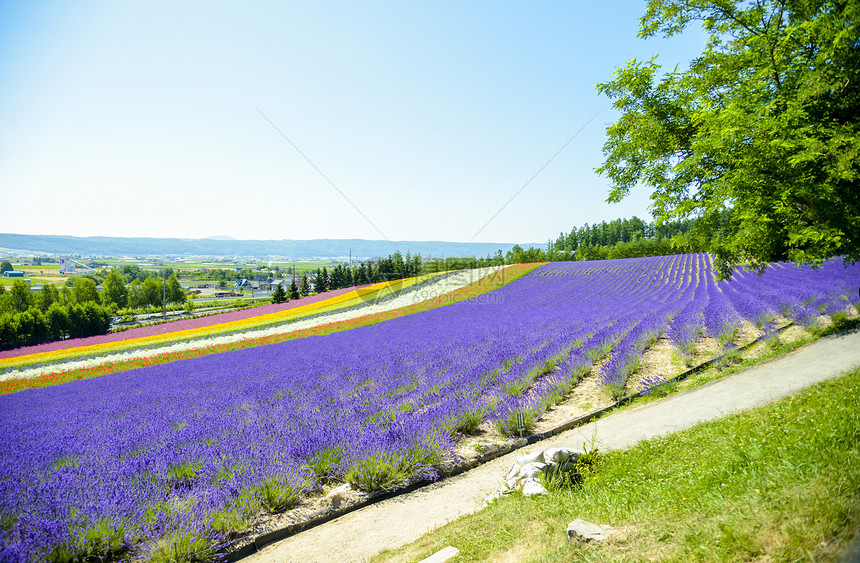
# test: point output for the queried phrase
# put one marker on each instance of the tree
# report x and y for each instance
(152, 292)
(47, 296)
(5, 266)
(294, 289)
(114, 290)
(84, 290)
(175, 293)
(135, 294)
(279, 295)
(20, 297)
(765, 122)
(320, 280)
(305, 288)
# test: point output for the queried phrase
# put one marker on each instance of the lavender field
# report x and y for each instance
(178, 458)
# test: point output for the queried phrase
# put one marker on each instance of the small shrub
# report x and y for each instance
(508, 425)
(103, 541)
(181, 546)
(327, 465)
(615, 389)
(466, 422)
(385, 470)
(182, 475)
(838, 317)
(570, 474)
(277, 494)
(236, 519)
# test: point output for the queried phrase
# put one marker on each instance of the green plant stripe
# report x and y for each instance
(470, 291)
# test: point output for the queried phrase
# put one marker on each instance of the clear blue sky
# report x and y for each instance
(153, 118)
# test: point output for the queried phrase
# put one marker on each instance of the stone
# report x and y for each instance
(557, 455)
(532, 487)
(586, 531)
(532, 470)
(536, 457)
(442, 555)
(340, 494)
(495, 495)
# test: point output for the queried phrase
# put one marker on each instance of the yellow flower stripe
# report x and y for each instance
(342, 301)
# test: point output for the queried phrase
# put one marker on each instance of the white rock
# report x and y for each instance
(442, 556)
(532, 470)
(536, 457)
(586, 531)
(557, 455)
(532, 487)
(339, 494)
(497, 494)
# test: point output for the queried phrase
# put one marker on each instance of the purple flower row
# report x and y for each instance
(163, 450)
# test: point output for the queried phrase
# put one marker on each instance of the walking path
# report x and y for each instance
(402, 519)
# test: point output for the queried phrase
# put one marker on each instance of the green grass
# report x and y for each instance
(780, 482)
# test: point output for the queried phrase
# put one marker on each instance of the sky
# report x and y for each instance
(469, 121)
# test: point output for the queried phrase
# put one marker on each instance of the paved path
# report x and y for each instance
(400, 520)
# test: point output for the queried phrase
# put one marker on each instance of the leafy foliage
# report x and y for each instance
(764, 122)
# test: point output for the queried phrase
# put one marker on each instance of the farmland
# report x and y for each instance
(187, 452)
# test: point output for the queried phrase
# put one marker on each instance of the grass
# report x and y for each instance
(779, 483)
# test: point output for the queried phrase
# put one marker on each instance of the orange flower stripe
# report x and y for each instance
(342, 301)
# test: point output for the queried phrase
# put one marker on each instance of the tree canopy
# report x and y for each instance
(764, 123)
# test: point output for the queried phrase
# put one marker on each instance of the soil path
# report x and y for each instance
(400, 520)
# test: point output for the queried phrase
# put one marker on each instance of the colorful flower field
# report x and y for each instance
(206, 326)
(135, 464)
(347, 310)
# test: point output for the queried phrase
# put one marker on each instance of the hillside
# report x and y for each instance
(113, 246)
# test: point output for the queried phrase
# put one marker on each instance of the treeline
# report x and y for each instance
(623, 238)
(396, 266)
(28, 318)
(78, 309)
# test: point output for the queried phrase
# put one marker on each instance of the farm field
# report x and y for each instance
(185, 455)
(56, 362)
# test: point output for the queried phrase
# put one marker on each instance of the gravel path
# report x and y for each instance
(400, 520)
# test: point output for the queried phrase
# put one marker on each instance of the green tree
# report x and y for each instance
(114, 290)
(20, 297)
(57, 320)
(294, 289)
(279, 295)
(135, 294)
(764, 122)
(152, 291)
(320, 280)
(5, 266)
(305, 288)
(47, 296)
(84, 290)
(175, 293)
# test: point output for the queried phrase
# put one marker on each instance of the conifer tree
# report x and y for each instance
(279, 295)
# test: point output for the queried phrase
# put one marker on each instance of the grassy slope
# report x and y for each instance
(780, 482)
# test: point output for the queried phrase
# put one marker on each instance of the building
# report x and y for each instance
(66, 266)
(13, 274)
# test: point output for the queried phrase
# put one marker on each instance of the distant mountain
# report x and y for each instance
(322, 248)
